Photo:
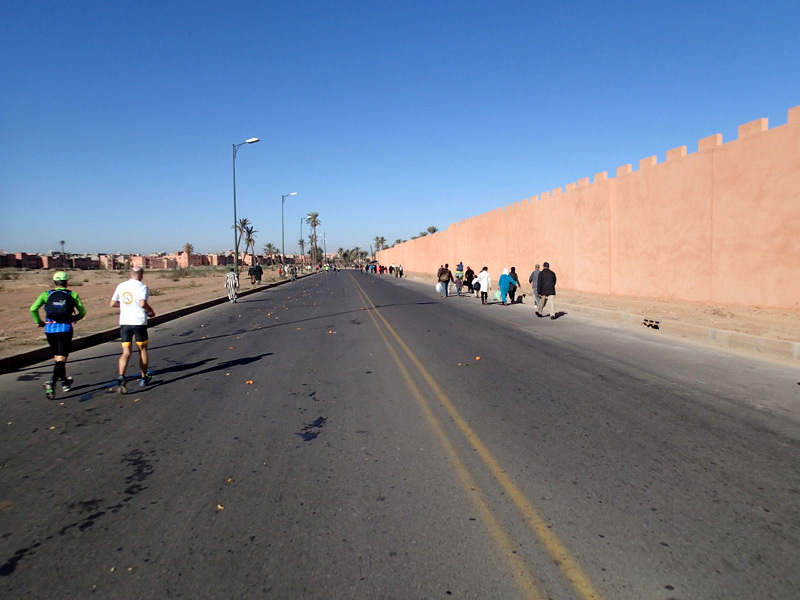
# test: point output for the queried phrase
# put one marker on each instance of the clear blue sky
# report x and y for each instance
(117, 118)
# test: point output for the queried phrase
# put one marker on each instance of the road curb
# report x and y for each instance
(10, 364)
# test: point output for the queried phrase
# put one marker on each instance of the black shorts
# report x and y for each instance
(60, 343)
(128, 332)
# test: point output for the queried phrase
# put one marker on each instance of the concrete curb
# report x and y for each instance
(18, 361)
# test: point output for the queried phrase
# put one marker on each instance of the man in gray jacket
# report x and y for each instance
(534, 281)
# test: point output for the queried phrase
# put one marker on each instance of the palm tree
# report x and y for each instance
(313, 219)
(240, 227)
(380, 243)
(187, 250)
(250, 241)
(269, 250)
(398, 241)
(432, 229)
(312, 246)
(302, 243)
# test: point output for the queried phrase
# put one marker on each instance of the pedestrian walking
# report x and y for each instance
(231, 284)
(534, 281)
(62, 309)
(131, 297)
(512, 287)
(444, 276)
(546, 287)
(469, 276)
(459, 278)
(484, 284)
(503, 285)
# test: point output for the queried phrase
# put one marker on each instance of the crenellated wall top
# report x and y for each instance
(703, 145)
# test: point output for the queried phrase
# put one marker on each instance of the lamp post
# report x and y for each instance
(236, 237)
(303, 259)
(283, 238)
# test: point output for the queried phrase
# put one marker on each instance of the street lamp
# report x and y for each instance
(236, 237)
(283, 239)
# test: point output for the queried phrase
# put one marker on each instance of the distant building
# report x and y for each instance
(28, 261)
(115, 262)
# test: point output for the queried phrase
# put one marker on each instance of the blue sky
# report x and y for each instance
(118, 118)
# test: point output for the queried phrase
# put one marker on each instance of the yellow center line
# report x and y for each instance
(563, 559)
(522, 576)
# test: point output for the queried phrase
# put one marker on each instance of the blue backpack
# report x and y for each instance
(60, 306)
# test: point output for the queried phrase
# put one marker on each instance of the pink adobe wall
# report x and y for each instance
(721, 225)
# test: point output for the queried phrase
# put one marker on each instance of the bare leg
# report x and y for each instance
(124, 358)
(143, 360)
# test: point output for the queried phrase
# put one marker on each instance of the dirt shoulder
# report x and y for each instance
(169, 290)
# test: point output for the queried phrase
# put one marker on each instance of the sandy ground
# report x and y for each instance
(19, 289)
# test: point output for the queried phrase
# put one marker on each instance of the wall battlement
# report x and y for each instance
(703, 145)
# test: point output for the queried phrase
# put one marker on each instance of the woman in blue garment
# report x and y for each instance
(502, 284)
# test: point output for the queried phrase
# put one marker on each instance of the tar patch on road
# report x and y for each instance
(141, 467)
(312, 430)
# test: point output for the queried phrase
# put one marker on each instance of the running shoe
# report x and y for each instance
(145, 380)
(122, 388)
(49, 390)
(67, 385)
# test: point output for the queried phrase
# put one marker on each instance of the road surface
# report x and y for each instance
(357, 436)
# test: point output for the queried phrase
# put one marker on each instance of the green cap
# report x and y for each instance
(61, 276)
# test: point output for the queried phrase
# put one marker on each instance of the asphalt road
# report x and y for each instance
(356, 436)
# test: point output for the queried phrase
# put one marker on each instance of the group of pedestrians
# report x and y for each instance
(63, 308)
(256, 272)
(543, 285)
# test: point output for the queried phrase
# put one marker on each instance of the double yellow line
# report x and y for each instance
(527, 586)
